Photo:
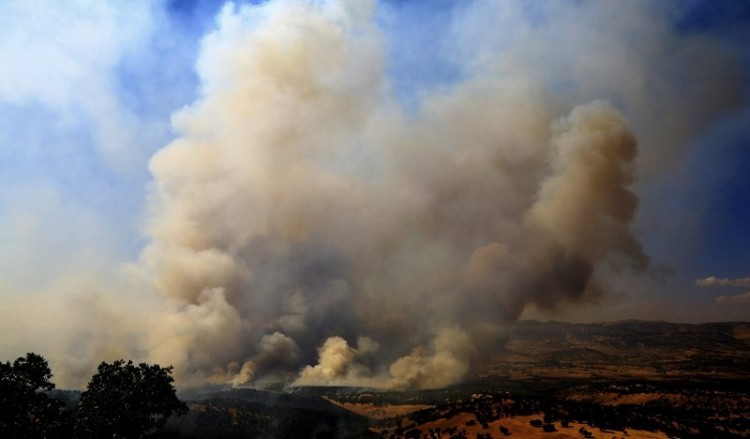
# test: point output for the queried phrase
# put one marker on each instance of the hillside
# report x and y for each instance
(554, 380)
(626, 349)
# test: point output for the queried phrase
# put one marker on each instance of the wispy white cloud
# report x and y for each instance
(738, 298)
(713, 281)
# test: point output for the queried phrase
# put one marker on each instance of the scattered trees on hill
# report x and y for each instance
(123, 400)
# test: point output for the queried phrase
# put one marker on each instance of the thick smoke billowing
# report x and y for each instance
(306, 228)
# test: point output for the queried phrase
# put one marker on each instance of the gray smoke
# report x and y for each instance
(305, 227)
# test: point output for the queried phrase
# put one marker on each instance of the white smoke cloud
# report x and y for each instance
(300, 190)
(202, 335)
(338, 365)
(274, 351)
(670, 84)
(447, 362)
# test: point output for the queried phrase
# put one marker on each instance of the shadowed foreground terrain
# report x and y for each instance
(557, 380)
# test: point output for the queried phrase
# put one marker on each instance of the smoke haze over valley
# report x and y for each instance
(362, 193)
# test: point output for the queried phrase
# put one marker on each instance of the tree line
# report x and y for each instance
(122, 400)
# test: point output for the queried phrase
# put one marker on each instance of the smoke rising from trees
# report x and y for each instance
(300, 208)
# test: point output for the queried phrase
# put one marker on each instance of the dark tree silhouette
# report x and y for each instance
(125, 400)
(25, 409)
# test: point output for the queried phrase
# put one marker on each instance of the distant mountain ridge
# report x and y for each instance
(624, 349)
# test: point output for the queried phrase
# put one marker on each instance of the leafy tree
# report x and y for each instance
(25, 409)
(124, 400)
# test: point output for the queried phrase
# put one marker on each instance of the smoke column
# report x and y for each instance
(305, 227)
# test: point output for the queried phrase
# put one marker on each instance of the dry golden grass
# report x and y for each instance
(379, 412)
(520, 427)
(609, 398)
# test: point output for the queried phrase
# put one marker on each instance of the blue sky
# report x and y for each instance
(88, 91)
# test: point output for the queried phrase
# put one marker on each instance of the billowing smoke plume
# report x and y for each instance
(305, 228)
